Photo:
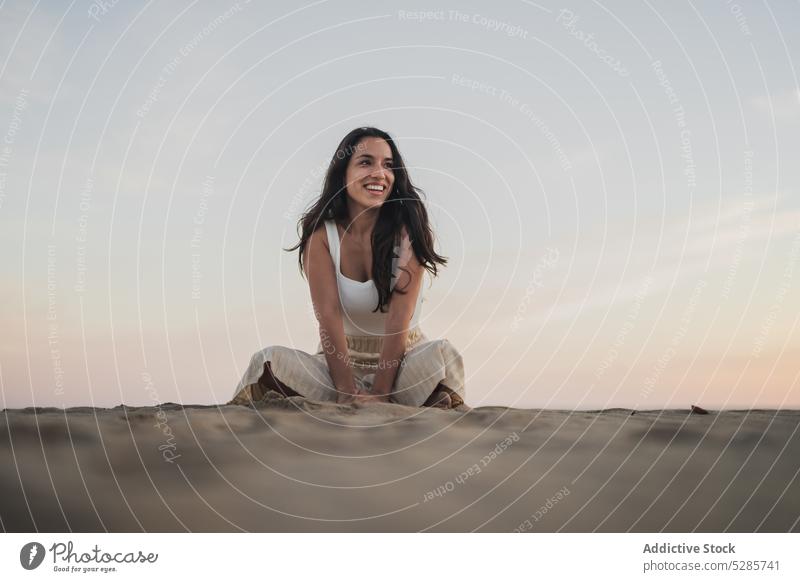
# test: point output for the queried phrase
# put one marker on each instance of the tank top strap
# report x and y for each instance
(333, 242)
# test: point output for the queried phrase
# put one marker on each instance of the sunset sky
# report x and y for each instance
(616, 188)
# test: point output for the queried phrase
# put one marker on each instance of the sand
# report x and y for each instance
(299, 465)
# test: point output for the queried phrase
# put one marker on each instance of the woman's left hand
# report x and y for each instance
(367, 398)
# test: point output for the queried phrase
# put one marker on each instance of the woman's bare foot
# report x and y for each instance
(269, 383)
(441, 398)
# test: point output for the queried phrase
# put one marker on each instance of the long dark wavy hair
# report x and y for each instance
(403, 207)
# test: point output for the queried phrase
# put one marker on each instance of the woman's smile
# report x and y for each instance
(375, 189)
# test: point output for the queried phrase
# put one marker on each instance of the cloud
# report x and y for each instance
(759, 217)
(729, 232)
(785, 106)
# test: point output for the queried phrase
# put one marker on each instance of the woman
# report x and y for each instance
(365, 246)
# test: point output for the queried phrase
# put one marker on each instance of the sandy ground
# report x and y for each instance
(298, 465)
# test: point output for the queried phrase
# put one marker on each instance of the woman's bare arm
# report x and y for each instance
(321, 275)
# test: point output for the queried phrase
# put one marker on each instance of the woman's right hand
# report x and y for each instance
(347, 397)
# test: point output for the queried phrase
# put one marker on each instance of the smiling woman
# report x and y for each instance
(365, 246)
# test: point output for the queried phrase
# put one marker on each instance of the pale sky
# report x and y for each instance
(615, 186)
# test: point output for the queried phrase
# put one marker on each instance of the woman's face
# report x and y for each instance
(369, 175)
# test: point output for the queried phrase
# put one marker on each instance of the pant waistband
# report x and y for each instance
(373, 344)
(364, 350)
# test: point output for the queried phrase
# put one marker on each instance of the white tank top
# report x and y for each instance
(358, 298)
